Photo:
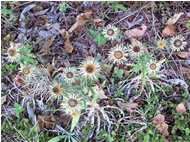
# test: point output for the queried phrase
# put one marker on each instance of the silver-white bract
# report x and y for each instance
(178, 43)
(118, 54)
(71, 103)
(13, 53)
(90, 68)
(111, 32)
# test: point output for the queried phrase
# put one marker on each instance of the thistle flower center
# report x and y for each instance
(69, 74)
(26, 70)
(90, 68)
(56, 89)
(153, 66)
(162, 43)
(72, 102)
(110, 32)
(12, 52)
(118, 54)
(178, 43)
(136, 49)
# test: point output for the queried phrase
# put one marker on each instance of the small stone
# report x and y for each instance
(181, 108)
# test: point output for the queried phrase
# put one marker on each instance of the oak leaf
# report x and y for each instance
(68, 46)
(174, 18)
(80, 20)
(169, 30)
(137, 33)
(183, 54)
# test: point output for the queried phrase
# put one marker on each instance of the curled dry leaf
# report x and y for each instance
(99, 22)
(181, 108)
(186, 71)
(128, 105)
(158, 119)
(49, 121)
(64, 33)
(162, 127)
(66, 36)
(3, 99)
(68, 46)
(80, 20)
(174, 18)
(169, 30)
(183, 54)
(137, 33)
(45, 49)
(126, 70)
(18, 80)
(45, 122)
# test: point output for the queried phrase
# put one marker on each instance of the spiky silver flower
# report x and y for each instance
(111, 32)
(71, 104)
(178, 43)
(117, 54)
(13, 53)
(69, 74)
(90, 68)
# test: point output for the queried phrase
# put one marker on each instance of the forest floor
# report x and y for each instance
(95, 71)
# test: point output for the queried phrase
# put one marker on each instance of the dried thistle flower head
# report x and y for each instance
(111, 32)
(178, 43)
(56, 89)
(71, 104)
(136, 48)
(117, 54)
(28, 71)
(90, 68)
(153, 67)
(69, 74)
(13, 53)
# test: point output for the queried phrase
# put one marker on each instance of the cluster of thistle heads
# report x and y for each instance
(61, 86)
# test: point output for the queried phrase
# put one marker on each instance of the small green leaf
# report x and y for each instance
(188, 24)
(146, 138)
(56, 139)
(63, 6)
(118, 72)
(75, 121)
(18, 109)
(118, 7)
(6, 11)
(187, 131)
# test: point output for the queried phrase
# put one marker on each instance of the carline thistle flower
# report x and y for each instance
(90, 68)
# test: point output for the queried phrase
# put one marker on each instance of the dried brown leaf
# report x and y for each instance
(64, 33)
(18, 80)
(46, 48)
(45, 122)
(169, 30)
(158, 119)
(3, 99)
(183, 54)
(137, 33)
(128, 105)
(163, 128)
(174, 18)
(48, 43)
(68, 46)
(80, 20)
(99, 22)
